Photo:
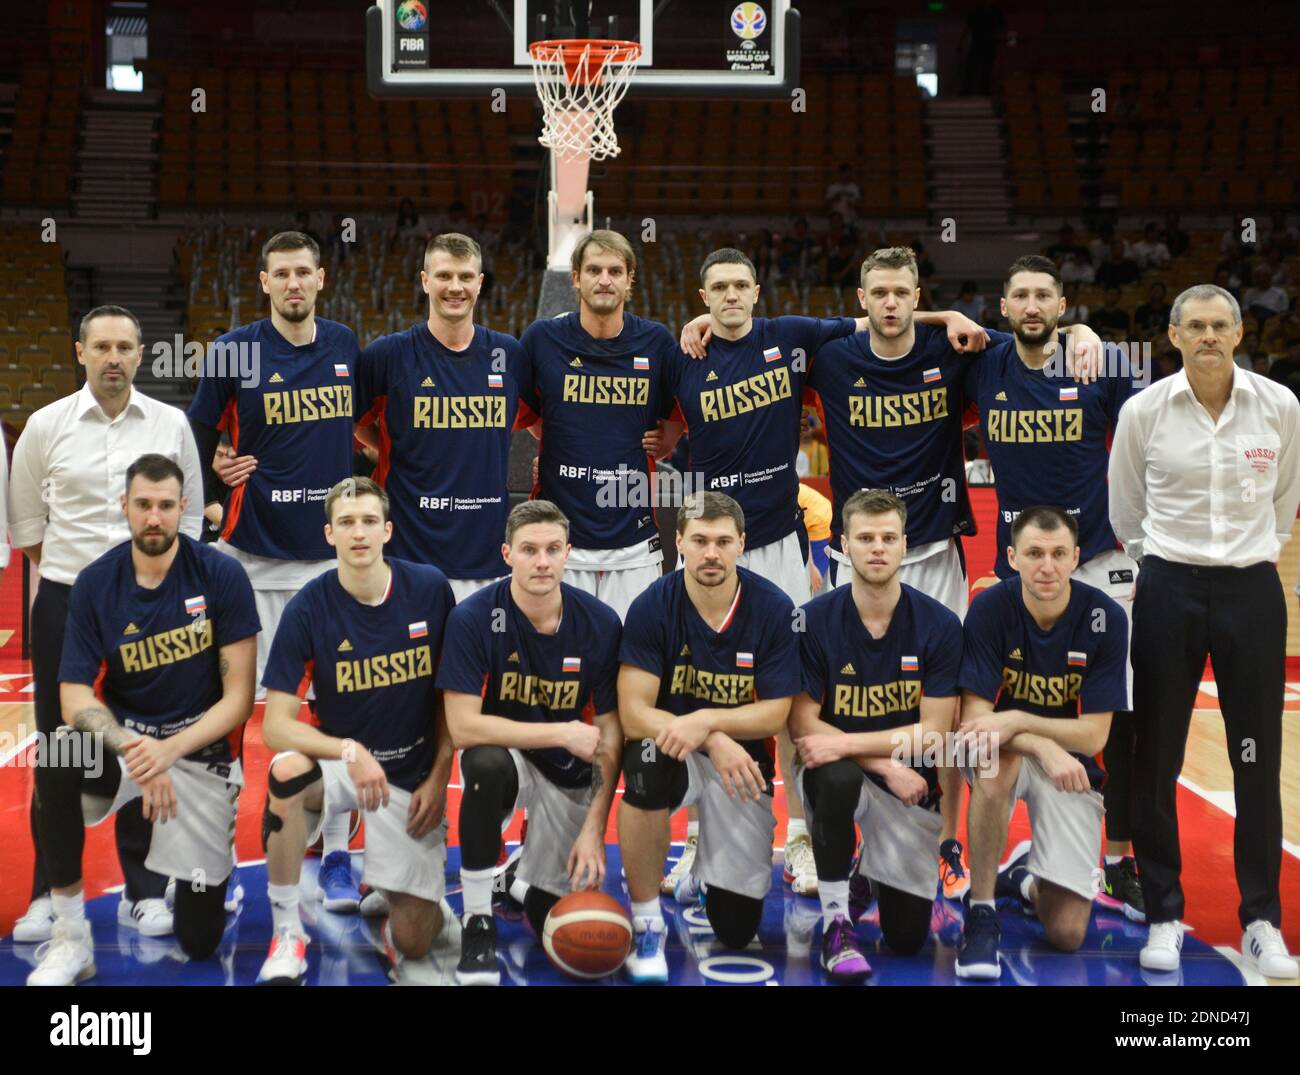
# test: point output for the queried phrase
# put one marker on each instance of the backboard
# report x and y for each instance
(690, 48)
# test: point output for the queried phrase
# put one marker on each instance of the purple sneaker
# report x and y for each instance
(842, 959)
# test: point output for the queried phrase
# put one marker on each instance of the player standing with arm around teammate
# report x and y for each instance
(1204, 485)
(1043, 670)
(529, 673)
(164, 627)
(368, 635)
(879, 663)
(709, 667)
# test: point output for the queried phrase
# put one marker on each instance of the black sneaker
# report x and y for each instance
(1122, 890)
(861, 892)
(1011, 877)
(978, 956)
(478, 952)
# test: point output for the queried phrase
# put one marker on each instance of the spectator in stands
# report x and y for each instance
(1075, 269)
(813, 460)
(1174, 238)
(970, 303)
(798, 251)
(1065, 245)
(1260, 363)
(1286, 370)
(1152, 317)
(1110, 322)
(1265, 299)
(765, 257)
(843, 196)
(1246, 349)
(1099, 247)
(1076, 312)
(1281, 236)
(1119, 269)
(1149, 252)
(1224, 278)
(1281, 333)
(925, 275)
(1165, 359)
(843, 263)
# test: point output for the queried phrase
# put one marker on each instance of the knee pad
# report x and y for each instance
(486, 765)
(283, 789)
(833, 786)
(734, 917)
(652, 780)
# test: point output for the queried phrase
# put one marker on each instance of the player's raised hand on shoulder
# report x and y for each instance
(367, 776)
(683, 736)
(696, 335)
(906, 783)
(818, 750)
(1063, 769)
(235, 470)
(581, 739)
(428, 806)
(586, 865)
(741, 776)
(158, 797)
(964, 335)
(146, 757)
(1084, 353)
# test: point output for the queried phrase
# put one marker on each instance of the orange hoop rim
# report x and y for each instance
(600, 50)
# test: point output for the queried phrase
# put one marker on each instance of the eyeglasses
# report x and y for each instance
(1197, 328)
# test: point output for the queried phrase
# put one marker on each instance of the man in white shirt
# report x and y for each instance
(1149, 252)
(64, 512)
(1204, 486)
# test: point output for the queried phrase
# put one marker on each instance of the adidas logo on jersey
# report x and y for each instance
(576, 362)
(686, 651)
(848, 670)
(130, 629)
(276, 379)
(1001, 396)
(1015, 654)
(513, 658)
(427, 383)
(861, 382)
(712, 376)
(345, 646)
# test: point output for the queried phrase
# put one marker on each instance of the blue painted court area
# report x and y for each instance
(346, 949)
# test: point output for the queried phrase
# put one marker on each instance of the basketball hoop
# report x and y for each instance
(580, 83)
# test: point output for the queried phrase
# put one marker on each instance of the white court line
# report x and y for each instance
(13, 752)
(1226, 801)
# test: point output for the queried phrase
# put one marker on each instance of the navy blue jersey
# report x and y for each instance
(159, 650)
(741, 405)
(494, 651)
(753, 658)
(895, 423)
(297, 421)
(373, 666)
(597, 399)
(445, 419)
(1079, 666)
(870, 684)
(1048, 441)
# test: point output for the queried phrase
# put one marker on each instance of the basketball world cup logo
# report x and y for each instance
(748, 21)
(412, 15)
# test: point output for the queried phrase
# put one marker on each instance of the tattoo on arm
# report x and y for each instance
(224, 666)
(597, 778)
(99, 721)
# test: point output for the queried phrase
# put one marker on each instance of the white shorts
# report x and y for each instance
(939, 575)
(394, 861)
(463, 588)
(616, 576)
(1114, 574)
(1066, 830)
(735, 843)
(555, 819)
(900, 843)
(781, 562)
(197, 843)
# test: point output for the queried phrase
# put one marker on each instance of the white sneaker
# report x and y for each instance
(800, 866)
(646, 963)
(286, 960)
(37, 924)
(1164, 946)
(374, 904)
(688, 890)
(681, 867)
(151, 917)
(67, 957)
(1264, 949)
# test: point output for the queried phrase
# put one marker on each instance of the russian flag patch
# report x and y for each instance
(931, 375)
(572, 664)
(910, 664)
(771, 354)
(1069, 393)
(195, 605)
(640, 363)
(744, 660)
(495, 380)
(420, 629)
(340, 369)
(1076, 659)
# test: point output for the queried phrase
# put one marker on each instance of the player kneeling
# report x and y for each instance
(529, 671)
(171, 627)
(367, 635)
(1043, 670)
(880, 663)
(709, 667)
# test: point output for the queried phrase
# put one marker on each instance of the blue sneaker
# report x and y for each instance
(978, 956)
(1011, 876)
(646, 963)
(335, 884)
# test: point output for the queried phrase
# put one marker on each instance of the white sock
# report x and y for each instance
(835, 899)
(1114, 860)
(647, 911)
(284, 907)
(692, 829)
(1027, 888)
(476, 886)
(795, 826)
(69, 908)
(990, 904)
(334, 836)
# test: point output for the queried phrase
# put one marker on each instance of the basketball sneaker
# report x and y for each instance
(505, 880)
(67, 957)
(1163, 950)
(336, 886)
(978, 955)
(234, 893)
(1121, 889)
(1011, 878)
(689, 890)
(646, 963)
(800, 866)
(151, 917)
(286, 960)
(842, 957)
(1264, 949)
(374, 904)
(954, 880)
(478, 952)
(682, 867)
(37, 923)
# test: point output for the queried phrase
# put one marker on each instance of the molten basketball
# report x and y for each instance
(587, 935)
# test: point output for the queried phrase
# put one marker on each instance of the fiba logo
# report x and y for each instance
(748, 21)
(411, 15)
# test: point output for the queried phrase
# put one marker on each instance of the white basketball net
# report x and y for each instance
(579, 97)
